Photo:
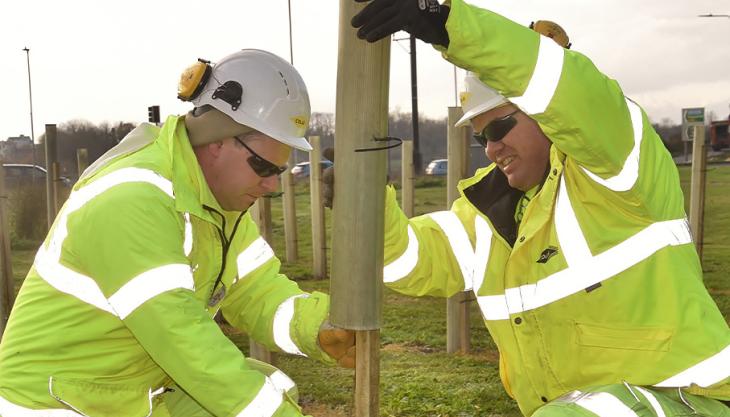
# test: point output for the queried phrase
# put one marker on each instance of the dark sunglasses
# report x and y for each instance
(261, 166)
(496, 130)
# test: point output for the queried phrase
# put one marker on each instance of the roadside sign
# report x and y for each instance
(691, 117)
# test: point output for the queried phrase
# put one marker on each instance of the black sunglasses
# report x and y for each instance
(496, 130)
(261, 166)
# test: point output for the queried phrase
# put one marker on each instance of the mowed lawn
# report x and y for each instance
(418, 377)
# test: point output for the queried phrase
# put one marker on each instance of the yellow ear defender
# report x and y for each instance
(193, 79)
(553, 31)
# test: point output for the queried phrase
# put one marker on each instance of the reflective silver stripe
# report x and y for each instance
(658, 410)
(572, 241)
(626, 179)
(710, 371)
(8, 409)
(255, 255)
(481, 253)
(268, 399)
(600, 268)
(459, 242)
(188, 243)
(282, 326)
(604, 404)
(282, 381)
(404, 265)
(150, 284)
(545, 78)
(69, 281)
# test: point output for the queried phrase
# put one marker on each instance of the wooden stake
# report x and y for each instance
(361, 115)
(82, 160)
(407, 178)
(697, 191)
(457, 306)
(51, 159)
(7, 282)
(319, 237)
(290, 214)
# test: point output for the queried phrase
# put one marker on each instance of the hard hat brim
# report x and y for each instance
(482, 108)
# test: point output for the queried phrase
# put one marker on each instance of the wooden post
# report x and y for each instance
(7, 283)
(51, 159)
(407, 175)
(82, 160)
(697, 191)
(361, 114)
(319, 237)
(290, 214)
(261, 214)
(457, 306)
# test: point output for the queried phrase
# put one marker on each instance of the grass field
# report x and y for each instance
(418, 378)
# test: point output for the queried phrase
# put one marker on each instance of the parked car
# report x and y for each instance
(437, 167)
(18, 175)
(301, 170)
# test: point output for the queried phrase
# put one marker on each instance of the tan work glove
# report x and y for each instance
(328, 179)
(338, 343)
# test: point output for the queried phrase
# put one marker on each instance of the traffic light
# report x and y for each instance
(153, 114)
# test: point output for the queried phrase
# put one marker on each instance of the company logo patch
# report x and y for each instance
(547, 254)
(299, 121)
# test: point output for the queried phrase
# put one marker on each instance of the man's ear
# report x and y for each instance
(215, 148)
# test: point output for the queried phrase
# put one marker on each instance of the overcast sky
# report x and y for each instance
(108, 61)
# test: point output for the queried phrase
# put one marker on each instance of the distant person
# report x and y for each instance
(574, 240)
(115, 318)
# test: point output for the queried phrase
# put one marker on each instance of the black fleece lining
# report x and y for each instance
(497, 200)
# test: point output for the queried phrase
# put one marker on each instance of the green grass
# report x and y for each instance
(418, 378)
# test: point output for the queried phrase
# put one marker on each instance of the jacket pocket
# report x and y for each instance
(634, 338)
(94, 399)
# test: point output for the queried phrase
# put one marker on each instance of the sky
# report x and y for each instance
(108, 61)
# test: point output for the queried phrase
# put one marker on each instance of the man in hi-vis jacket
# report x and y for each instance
(574, 240)
(115, 318)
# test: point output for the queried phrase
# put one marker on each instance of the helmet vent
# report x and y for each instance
(230, 92)
(286, 84)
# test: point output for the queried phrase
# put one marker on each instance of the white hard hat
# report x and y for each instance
(477, 99)
(262, 91)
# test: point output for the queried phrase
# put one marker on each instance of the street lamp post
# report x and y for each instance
(30, 96)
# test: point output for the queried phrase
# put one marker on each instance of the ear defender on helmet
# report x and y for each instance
(193, 79)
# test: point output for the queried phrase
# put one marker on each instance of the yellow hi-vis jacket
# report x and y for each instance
(119, 303)
(600, 283)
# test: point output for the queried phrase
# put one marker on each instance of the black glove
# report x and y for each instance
(425, 19)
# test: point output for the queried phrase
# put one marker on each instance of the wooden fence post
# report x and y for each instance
(457, 306)
(319, 236)
(697, 191)
(361, 115)
(407, 175)
(51, 174)
(7, 282)
(291, 236)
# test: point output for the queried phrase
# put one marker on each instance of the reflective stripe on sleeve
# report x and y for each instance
(604, 404)
(255, 255)
(658, 410)
(544, 80)
(459, 242)
(404, 265)
(282, 326)
(282, 381)
(69, 281)
(150, 284)
(266, 402)
(626, 179)
(708, 372)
